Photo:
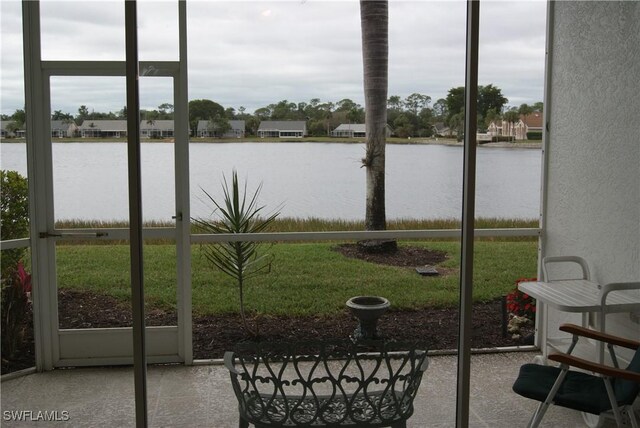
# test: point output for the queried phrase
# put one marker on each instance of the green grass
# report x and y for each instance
(292, 224)
(307, 278)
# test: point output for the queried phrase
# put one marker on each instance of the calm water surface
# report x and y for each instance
(308, 179)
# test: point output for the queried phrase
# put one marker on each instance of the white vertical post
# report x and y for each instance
(135, 212)
(468, 214)
(40, 182)
(183, 213)
(542, 314)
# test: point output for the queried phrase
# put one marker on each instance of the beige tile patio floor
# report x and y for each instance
(201, 396)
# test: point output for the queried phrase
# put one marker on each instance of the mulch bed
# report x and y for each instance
(215, 334)
(402, 257)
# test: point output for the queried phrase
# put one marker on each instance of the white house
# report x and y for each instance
(63, 129)
(354, 130)
(518, 130)
(6, 131)
(282, 128)
(103, 128)
(156, 128)
(208, 129)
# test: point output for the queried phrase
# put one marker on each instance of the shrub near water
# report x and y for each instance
(15, 281)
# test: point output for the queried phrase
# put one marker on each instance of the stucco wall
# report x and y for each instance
(593, 194)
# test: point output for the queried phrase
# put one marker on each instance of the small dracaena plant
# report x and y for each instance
(237, 213)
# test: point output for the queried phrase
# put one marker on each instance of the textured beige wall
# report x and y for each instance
(593, 197)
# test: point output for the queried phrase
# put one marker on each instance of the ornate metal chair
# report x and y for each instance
(608, 389)
(341, 383)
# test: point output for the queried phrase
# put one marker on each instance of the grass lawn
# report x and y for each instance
(307, 278)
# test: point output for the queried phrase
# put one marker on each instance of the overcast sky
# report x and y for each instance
(254, 53)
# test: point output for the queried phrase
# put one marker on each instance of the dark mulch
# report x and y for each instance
(213, 335)
(403, 256)
(438, 327)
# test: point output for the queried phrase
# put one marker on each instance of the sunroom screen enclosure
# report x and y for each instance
(58, 347)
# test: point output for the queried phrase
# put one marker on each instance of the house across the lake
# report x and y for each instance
(208, 129)
(282, 128)
(63, 129)
(520, 130)
(103, 128)
(355, 130)
(156, 128)
(8, 129)
(441, 130)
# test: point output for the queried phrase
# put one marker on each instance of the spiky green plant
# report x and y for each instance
(240, 260)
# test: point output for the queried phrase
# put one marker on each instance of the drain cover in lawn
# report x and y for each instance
(427, 270)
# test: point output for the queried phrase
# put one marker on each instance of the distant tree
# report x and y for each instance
(20, 117)
(150, 115)
(394, 103)
(346, 105)
(285, 110)
(263, 113)
(203, 110)
(538, 106)
(490, 97)
(440, 111)
(230, 113)
(356, 114)
(83, 114)
(425, 122)
(525, 109)
(456, 123)
(317, 128)
(252, 123)
(416, 102)
(402, 126)
(12, 127)
(219, 124)
(492, 115)
(325, 113)
(59, 115)
(454, 101)
(511, 115)
(165, 109)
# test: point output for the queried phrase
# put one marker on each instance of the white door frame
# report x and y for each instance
(55, 347)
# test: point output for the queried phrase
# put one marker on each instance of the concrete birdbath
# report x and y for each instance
(367, 309)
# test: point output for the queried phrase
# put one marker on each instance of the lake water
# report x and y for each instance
(321, 180)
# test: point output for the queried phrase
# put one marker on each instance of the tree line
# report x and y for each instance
(412, 116)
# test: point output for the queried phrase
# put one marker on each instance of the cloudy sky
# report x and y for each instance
(254, 53)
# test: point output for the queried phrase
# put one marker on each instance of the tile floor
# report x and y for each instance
(201, 396)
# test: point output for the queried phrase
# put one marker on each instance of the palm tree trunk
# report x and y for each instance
(374, 17)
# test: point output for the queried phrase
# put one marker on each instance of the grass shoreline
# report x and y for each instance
(288, 225)
(520, 144)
